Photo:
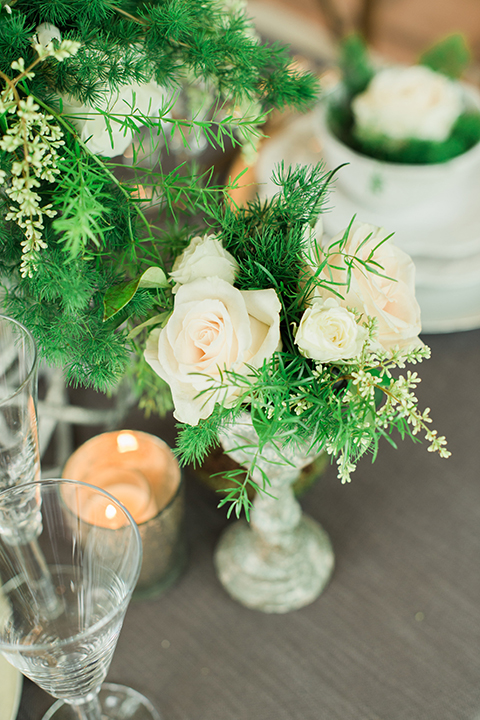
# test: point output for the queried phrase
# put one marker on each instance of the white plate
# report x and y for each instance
(10, 690)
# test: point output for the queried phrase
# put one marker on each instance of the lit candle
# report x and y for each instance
(98, 510)
(141, 472)
(138, 469)
(130, 487)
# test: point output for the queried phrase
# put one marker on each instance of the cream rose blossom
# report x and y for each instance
(388, 296)
(411, 102)
(328, 332)
(214, 327)
(204, 257)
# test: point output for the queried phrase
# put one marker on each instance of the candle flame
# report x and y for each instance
(110, 512)
(126, 442)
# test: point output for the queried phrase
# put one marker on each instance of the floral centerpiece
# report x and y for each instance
(306, 338)
(280, 348)
(79, 81)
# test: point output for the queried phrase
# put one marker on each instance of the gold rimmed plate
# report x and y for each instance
(10, 690)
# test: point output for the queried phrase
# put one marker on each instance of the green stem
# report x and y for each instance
(139, 21)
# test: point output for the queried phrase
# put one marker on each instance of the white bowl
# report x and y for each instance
(379, 186)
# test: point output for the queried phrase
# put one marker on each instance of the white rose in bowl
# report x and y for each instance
(204, 257)
(328, 332)
(408, 102)
(389, 295)
(214, 327)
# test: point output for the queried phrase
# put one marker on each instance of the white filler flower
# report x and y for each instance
(411, 102)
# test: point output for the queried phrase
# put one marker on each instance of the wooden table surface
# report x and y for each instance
(395, 636)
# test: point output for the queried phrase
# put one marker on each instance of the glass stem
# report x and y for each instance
(89, 710)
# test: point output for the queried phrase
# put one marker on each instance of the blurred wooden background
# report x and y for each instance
(398, 29)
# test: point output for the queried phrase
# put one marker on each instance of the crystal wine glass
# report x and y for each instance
(19, 457)
(93, 552)
(19, 451)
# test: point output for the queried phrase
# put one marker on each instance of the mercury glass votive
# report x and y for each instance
(140, 471)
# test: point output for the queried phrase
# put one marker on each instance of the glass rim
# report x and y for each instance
(28, 649)
(35, 357)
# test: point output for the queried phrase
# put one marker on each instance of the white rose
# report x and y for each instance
(412, 102)
(214, 327)
(204, 257)
(388, 296)
(329, 332)
(91, 125)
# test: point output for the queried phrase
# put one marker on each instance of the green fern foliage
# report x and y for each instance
(93, 234)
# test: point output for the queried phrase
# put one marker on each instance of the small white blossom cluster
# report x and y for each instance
(33, 140)
(299, 404)
(64, 49)
(38, 138)
(400, 401)
(345, 468)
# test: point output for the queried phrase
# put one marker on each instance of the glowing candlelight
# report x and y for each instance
(128, 486)
(126, 442)
(141, 472)
(99, 511)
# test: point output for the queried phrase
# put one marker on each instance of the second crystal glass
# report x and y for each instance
(93, 567)
(19, 459)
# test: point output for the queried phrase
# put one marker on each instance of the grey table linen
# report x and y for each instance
(395, 636)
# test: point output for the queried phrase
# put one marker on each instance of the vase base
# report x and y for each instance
(275, 578)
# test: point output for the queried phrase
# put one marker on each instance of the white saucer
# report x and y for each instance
(434, 230)
(10, 690)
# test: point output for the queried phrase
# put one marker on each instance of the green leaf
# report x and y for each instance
(120, 295)
(153, 277)
(155, 320)
(449, 56)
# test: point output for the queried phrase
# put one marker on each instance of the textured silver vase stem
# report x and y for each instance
(283, 559)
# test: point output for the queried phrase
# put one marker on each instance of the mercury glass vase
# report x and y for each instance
(282, 559)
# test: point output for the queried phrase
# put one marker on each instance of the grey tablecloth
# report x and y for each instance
(396, 635)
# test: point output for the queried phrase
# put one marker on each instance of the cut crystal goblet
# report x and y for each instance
(19, 452)
(92, 550)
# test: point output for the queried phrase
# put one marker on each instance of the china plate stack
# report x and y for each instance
(10, 690)
(444, 240)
